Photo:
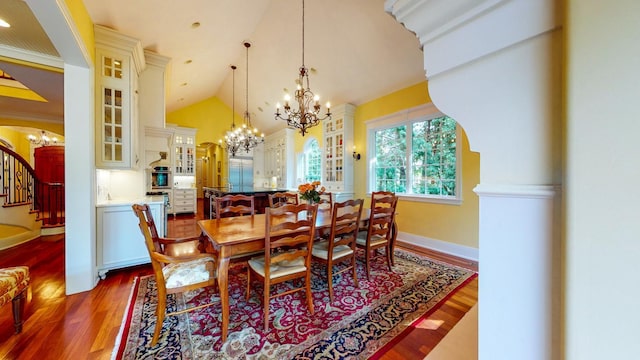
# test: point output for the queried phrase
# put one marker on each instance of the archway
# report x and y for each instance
(494, 66)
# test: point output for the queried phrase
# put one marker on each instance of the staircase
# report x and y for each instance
(30, 208)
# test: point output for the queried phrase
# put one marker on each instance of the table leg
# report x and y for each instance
(223, 284)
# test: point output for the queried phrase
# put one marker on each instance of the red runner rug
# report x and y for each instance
(358, 324)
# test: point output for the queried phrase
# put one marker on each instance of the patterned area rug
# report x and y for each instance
(358, 323)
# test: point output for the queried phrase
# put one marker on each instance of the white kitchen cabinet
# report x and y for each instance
(119, 60)
(184, 201)
(119, 240)
(279, 157)
(184, 152)
(337, 152)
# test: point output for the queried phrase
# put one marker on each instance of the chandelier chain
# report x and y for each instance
(308, 113)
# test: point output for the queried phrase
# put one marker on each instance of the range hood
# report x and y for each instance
(162, 162)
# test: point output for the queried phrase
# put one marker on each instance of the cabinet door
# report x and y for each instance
(120, 242)
(113, 100)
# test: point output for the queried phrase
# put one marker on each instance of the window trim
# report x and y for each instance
(407, 117)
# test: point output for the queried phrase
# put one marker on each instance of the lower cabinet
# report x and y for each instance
(119, 240)
(184, 201)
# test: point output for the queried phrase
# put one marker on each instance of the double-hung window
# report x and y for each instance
(415, 154)
(312, 161)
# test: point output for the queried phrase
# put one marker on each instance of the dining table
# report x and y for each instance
(234, 236)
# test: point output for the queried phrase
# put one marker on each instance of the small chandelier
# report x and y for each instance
(249, 136)
(43, 140)
(308, 104)
(232, 140)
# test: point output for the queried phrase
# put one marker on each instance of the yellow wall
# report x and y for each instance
(17, 139)
(212, 118)
(83, 23)
(452, 223)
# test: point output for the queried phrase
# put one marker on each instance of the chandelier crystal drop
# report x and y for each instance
(233, 138)
(249, 134)
(308, 113)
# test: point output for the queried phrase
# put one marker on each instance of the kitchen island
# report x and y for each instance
(261, 197)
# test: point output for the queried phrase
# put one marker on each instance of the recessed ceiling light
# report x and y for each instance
(4, 23)
(195, 25)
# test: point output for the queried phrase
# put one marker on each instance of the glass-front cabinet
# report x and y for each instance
(184, 152)
(337, 161)
(119, 60)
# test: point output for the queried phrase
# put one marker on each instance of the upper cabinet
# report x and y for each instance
(119, 61)
(337, 159)
(279, 157)
(184, 152)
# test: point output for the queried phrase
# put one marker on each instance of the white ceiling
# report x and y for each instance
(357, 52)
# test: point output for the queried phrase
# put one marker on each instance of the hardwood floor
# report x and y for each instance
(85, 325)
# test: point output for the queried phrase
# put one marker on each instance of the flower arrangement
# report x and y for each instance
(310, 191)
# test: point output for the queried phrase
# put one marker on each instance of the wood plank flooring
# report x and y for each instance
(85, 325)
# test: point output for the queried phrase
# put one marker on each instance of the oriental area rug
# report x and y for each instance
(356, 325)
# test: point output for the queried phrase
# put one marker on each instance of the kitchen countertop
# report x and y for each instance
(155, 199)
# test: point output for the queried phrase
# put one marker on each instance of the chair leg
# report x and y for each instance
(160, 312)
(367, 260)
(267, 286)
(308, 291)
(248, 284)
(18, 310)
(330, 279)
(353, 268)
(388, 253)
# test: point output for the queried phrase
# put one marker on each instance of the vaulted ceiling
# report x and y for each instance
(355, 50)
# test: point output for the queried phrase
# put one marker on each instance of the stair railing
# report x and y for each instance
(20, 186)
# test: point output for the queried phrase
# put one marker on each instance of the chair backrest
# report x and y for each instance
(282, 198)
(289, 233)
(381, 216)
(345, 220)
(326, 200)
(234, 205)
(148, 229)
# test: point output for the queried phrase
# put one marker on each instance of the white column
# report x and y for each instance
(80, 188)
(494, 66)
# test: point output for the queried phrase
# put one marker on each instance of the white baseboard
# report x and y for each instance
(462, 251)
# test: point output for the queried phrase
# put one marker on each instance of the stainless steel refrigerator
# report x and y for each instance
(240, 173)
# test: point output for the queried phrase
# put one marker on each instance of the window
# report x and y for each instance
(415, 154)
(312, 158)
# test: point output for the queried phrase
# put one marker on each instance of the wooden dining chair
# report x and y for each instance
(178, 266)
(377, 234)
(326, 200)
(340, 247)
(234, 205)
(286, 256)
(282, 198)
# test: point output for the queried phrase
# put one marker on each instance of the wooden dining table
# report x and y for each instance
(235, 236)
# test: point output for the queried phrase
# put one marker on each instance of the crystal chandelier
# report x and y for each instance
(249, 136)
(308, 104)
(43, 140)
(232, 140)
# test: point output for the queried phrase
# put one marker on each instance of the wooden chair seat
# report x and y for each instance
(321, 250)
(14, 282)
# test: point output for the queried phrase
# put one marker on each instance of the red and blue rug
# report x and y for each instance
(356, 325)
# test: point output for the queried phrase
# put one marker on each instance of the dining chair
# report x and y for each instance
(326, 200)
(178, 266)
(377, 234)
(286, 256)
(282, 198)
(234, 205)
(340, 247)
